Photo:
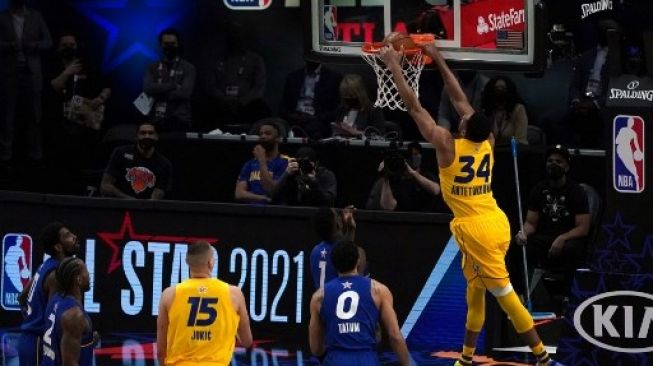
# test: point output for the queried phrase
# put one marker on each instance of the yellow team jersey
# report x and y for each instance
(202, 324)
(466, 183)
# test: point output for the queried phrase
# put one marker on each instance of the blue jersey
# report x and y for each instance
(322, 269)
(251, 173)
(57, 306)
(349, 314)
(37, 299)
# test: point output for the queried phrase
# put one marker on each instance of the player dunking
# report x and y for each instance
(480, 227)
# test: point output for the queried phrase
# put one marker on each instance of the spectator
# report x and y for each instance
(23, 37)
(238, 82)
(557, 221)
(310, 95)
(170, 82)
(306, 182)
(501, 103)
(259, 176)
(138, 171)
(403, 187)
(75, 106)
(357, 112)
(582, 126)
(472, 83)
(331, 227)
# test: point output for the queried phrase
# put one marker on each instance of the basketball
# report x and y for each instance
(399, 40)
(638, 155)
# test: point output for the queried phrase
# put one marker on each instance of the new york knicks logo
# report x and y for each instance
(330, 28)
(16, 268)
(140, 178)
(247, 4)
(628, 154)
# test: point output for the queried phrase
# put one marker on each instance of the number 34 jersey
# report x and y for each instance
(349, 314)
(202, 324)
(466, 183)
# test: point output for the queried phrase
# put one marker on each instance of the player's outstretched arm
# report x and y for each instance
(244, 333)
(455, 91)
(162, 322)
(315, 326)
(73, 324)
(429, 129)
(391, 325)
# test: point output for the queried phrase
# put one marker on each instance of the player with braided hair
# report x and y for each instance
(68, 338)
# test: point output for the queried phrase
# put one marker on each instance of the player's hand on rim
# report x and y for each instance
(390, 56)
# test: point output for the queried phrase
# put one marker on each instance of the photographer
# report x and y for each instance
(305, 182)
(403, 187)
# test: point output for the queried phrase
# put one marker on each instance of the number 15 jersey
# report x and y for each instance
(202, 324)
(466, 183)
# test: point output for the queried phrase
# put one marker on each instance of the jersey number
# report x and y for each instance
(205, 306)
(354, 298)
(322, 265)
(468, 172)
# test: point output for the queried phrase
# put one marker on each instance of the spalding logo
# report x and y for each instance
(618, 321)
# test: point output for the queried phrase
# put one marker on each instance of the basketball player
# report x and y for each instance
(345, 313)
(331, 227)
(480, 227)
(69, 338)
(200, 318)
(59, 243)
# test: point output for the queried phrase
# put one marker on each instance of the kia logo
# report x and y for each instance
(633, 85)
(618, 321)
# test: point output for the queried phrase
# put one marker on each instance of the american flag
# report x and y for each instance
(510, 39)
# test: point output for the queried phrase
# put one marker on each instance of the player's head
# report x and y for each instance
(631, 122)
(200, 257)
(327, 223)
(72, 276)
(58, 240)
(345, 256)
(476, 127)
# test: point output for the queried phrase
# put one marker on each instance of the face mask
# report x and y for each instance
(416, 161)
(68, 53)
(146, 143)
(554, 172)
(351, 102)
(500, 96)
(170, 52)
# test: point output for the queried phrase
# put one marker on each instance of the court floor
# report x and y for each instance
(120, 349)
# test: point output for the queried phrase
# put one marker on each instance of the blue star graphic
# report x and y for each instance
(132, 26)
(618, 233)
(642, 259)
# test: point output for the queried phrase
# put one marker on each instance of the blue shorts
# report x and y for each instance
(29, 349)
(351, 358)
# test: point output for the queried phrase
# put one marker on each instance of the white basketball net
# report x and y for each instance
(387, 95)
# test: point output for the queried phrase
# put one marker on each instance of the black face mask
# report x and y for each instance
(500, 96)
(68, 53)
(351, 102)
(554, 172)
(146, 143)
(171, 52)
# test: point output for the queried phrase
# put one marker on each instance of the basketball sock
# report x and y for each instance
(467, 356)
(541, 354)
(521, 319)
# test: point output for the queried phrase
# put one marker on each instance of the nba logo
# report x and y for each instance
(628, 154)
(16, 268)
(330, 28)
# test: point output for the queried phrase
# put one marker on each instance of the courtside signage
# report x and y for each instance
(618, 321)
(248, 4)
(16, 268)
(628, 154)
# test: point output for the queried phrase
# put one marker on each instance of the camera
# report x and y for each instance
(306, 166)
(394, 163)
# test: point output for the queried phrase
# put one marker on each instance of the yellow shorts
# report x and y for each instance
(483, 241)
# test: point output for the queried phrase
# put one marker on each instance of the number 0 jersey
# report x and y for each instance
(202, 324)
(466, 183)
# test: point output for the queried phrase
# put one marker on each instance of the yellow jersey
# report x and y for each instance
(202, 324)
(466, 184)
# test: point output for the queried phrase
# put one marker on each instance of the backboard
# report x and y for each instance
(490, 34)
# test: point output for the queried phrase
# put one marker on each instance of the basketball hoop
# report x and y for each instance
(412, 64)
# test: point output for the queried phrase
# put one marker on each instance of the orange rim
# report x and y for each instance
(418, 39)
